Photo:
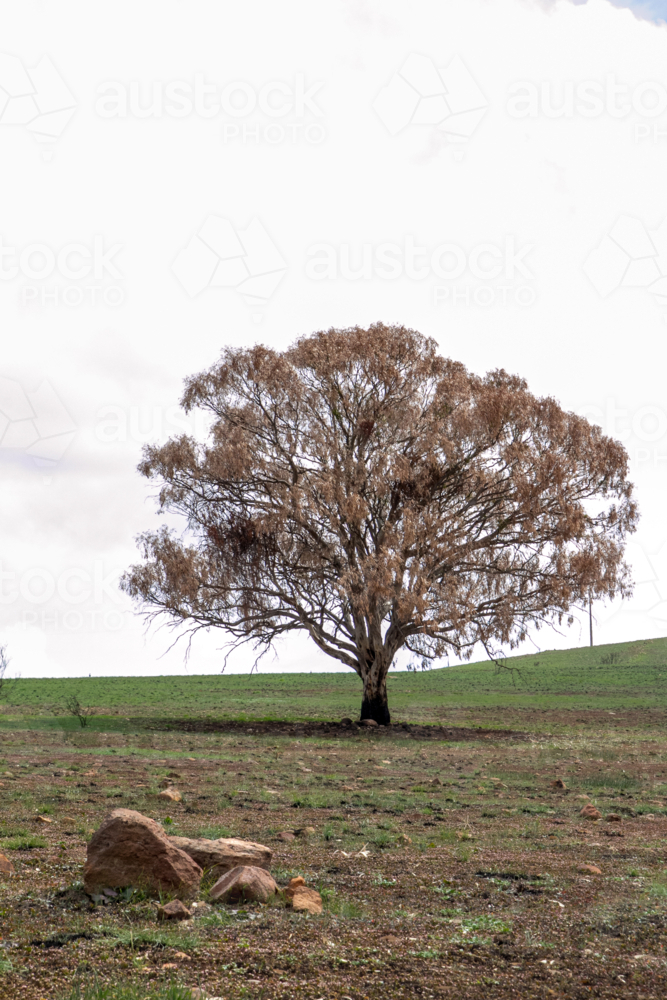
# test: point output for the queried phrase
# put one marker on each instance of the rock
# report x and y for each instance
(306, 900)
(175, 910)
(246, 883)
(306, 831)
(220, 856)
(293, 885)
(613, 818)
(436, 781)
(586, 797)
(172, 794)
(590, 869)
(368, 722)
(286, 835)
(346, 722)
(43, 819)
(131, 849)
(590, 812)
(558, 783)
(6, 867)
(649, 816)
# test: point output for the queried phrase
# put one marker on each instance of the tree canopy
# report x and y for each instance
(362, 488)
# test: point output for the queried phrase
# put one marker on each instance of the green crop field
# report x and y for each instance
(623, 676)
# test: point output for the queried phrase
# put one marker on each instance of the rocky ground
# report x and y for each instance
(449, 864)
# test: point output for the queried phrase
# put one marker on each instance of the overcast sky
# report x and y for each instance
(179, 176)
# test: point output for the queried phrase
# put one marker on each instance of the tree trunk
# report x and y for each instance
(374, 704)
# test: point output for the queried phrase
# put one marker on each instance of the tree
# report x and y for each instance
(362, 488)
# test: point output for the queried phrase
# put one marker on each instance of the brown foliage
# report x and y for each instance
(363, 488)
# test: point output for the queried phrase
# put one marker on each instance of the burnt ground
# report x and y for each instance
(328, 729)
(449, 864)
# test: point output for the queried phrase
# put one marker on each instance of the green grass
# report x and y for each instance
(28, 843)
(620, 676)
(129, 991)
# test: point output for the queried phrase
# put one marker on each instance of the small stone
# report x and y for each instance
(436, 781)
(293, 885)
(558, 783)
(590, 812)
(6, 867)
(346, 722)
(245, 883)
(306, 900)
(172, 794)
(306, 831)
(590, 869)
(175, 910)
(286, 835)
(613, 818)
(368, 722)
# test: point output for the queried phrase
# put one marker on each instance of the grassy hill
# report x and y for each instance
(621, 676)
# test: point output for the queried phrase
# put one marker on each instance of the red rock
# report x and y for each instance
(306, 900)
(245, 883)
(172, 794)
(175, 910)
(590, 812)
(294, 884)
(220, 856)
(131, 849)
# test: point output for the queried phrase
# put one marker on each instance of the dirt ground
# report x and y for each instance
(448, 863)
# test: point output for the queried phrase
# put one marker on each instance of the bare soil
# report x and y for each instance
(448, 863)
